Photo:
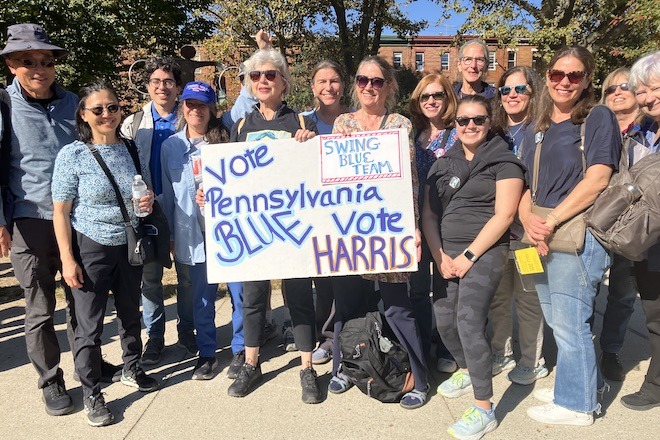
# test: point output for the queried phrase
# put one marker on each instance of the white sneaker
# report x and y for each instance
(447, 365)
(557, 415)
(545, 395)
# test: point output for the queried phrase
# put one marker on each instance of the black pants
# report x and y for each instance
(325, 312)
(104, 268)
(648, 283)
(36, 260)
(300, 301)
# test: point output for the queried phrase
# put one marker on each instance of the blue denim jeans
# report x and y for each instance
(621, 297)
(238, 339)
(153, 307)
(204, 296)
(567, 291)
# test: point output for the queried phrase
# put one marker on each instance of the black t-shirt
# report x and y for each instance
(285, 120)
(560, 168)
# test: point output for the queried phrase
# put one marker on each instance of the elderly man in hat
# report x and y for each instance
(43, 120)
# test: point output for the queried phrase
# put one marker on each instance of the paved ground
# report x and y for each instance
(186, 409)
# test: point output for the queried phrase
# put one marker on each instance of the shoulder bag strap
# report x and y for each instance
(537, 162)
(107, 172)
(132, 150)
(240, 126)
(301, 118)
(137, 119)
(384, 121)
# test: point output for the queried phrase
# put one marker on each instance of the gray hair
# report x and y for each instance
(273, 57)
(644, 69)
(478, 42)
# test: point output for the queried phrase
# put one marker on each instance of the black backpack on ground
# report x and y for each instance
(373, 360)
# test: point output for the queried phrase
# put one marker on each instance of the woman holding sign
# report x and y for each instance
(472, 195)
(578, 148)
(374, 95)
(268, 79)
(181, 171)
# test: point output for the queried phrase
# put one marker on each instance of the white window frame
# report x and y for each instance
(443, 65)
(492, 65)
(508, 58)
(419, 67)
(398, 61)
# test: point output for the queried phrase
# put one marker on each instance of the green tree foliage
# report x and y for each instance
(98, 31)
(616, 31)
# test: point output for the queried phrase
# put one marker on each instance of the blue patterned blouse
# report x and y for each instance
(79, 177)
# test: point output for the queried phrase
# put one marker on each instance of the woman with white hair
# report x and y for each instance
(473, 60)
(645, 80)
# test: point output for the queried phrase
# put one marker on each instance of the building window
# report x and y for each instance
(511, 60)
(492, 62)
(444, 61)
(397, 60)
(419, 61)
(534, 55)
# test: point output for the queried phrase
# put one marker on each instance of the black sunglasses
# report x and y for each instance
(98, 111)
(478, 120)
(437, 96)
(573, 77)
(255, 75)
(31, 64)
(521, 89)
(376, 82)
(611, 89)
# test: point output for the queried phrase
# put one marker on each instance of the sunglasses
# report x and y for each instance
(478, 120)
(437, 96)
(573, 77)
(167, 83)
(521, 89)
(32, 64)
(255, 75)
(98, 111)
(376, 82)
(611, 89)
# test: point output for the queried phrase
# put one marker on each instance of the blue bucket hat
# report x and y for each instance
(29, 36)
(200, 91)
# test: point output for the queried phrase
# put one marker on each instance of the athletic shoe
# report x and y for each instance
(321, 356)
(457, 385)
(545, 395)
(446, 365)
(109, 373)
(474, 424)
(57, 400)
(97, 411)
(558, 415)
(611, 367)
(310, 386)
(236, 363)
(502, 363)
(269, 332)
(287, 333)
(248, 377)
(205, 368)
(188, 341)
(137, 378)
(526, 375)
(152, 350)
(639, 401)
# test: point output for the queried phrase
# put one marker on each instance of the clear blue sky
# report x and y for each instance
(431, 12)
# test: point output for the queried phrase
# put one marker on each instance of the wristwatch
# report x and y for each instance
(470, 256)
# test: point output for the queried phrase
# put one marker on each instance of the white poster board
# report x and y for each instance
(333, 205)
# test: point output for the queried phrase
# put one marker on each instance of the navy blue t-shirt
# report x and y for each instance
(560, 168)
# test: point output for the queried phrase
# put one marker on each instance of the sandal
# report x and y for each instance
(414, 399)
(338, 385)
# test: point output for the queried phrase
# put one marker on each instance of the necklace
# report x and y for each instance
(513, 135)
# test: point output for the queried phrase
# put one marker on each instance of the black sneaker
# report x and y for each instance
(188, 341)
(236, 363)
(248, 376)
(611, 367)
(310, 386)
(57, 400)
(289, 343)
(205, 368)
(152, 350)
(110, 373)
(269, 332)
(639, 401)
(137, 378)
(97, 412)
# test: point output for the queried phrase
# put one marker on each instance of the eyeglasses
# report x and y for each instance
(376, 82)
(467, 61)
(559, 75)
(167, 83)
(29, 63)
(611, 89)
(98, 111)
(521, 89)
(437, 96)
(478, 120)
(270, 75)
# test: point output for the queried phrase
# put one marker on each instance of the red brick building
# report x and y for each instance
(428, 54)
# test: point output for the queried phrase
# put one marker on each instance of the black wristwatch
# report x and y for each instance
(470, 256)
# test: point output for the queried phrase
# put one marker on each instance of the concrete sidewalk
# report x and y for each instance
(186, 409)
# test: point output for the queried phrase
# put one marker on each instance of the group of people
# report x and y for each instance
(474, 151)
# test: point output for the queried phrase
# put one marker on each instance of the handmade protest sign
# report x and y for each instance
(333, 205)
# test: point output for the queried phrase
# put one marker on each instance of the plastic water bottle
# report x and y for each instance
(139, 190)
